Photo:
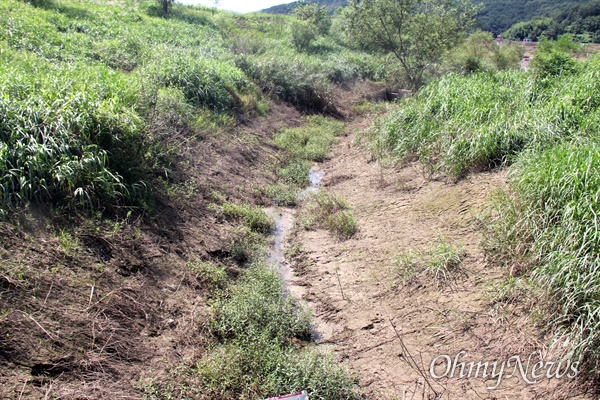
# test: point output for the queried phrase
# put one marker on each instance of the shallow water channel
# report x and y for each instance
(284, 222)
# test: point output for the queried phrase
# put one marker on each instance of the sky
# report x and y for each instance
(241, 6)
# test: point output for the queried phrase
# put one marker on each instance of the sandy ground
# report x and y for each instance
(388, 330)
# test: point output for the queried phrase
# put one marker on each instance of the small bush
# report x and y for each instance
(553, 64)
(302, 34)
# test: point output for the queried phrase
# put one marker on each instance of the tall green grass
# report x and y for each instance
(460, 124)
(90, 93)
(545, 125)
(548, 225)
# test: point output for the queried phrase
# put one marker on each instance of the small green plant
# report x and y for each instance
(68, 243)
(209, 273)
(311, 141)
(441, 262)
(282, 195)
(247, 245)
(295, 172)
(332, 213)
(253, 217)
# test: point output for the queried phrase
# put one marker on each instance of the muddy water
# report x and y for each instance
(284, 221)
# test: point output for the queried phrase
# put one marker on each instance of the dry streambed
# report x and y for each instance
(386, 321)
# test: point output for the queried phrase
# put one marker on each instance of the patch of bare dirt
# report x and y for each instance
(96, 309)
(387, 329)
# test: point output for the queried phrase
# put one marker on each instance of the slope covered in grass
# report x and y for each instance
(545, 126)
(89, 91)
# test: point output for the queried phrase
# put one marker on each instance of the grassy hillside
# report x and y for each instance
(543, 126)
(134, 149)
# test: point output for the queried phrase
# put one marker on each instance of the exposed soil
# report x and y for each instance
(105, 308)
(359, 297)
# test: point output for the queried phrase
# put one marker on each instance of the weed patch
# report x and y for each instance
(311, 141)
(440, 263)
(253, 217)
(332, 213)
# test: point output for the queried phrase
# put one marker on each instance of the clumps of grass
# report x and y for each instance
(211, 274)
(247, 244)
(253, 216)
(255, 307)
(259, 330)
(261, 370)
(282, 195)
(441, 263)
(460, 124)
(295, 172)
(330, 212)
(554, 203)
(311, 141)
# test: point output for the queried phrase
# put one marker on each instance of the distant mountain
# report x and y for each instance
(330, 5)
(496, 16)
(582, 21)
(499, 15)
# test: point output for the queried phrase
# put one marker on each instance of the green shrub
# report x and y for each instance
(302, 34)
(553, 64)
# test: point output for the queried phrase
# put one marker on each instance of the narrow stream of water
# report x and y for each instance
(284, 221)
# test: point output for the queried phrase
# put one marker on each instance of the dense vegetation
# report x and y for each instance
(582, 21)
(545, 126)
(499, 15)
(96, 102)
(89, 92)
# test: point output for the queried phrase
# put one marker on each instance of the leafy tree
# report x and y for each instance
(417, 33)
(314, 14)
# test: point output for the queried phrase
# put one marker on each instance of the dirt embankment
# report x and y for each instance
(91, 308)
(386, 323)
